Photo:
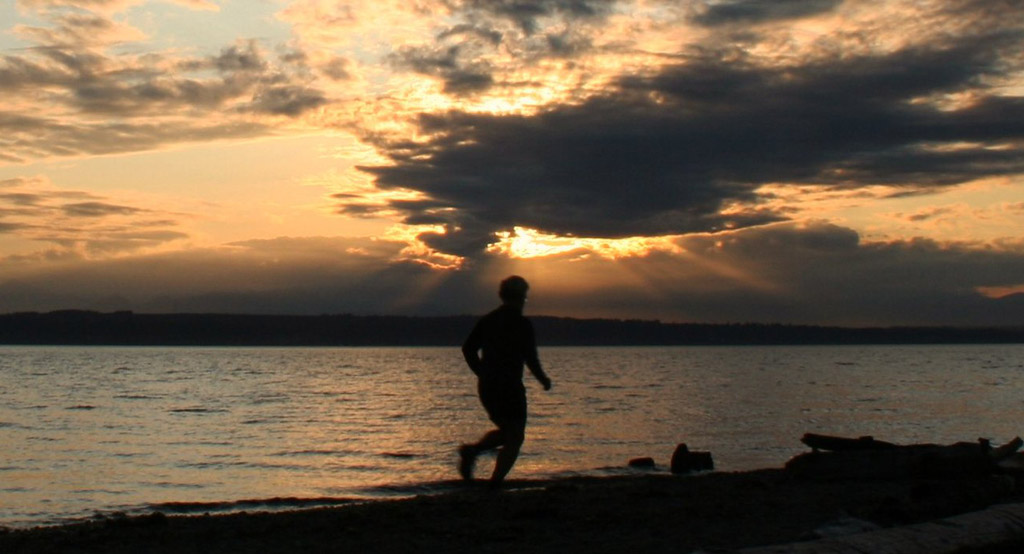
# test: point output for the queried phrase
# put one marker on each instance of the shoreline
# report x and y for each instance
(717, 511)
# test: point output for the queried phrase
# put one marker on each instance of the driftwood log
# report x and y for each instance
(836, 444)
(837, 458)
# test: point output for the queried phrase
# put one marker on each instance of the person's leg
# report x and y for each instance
(506, 407)
(490, 441)
(467, 459)
(468, 452)
(513, 436)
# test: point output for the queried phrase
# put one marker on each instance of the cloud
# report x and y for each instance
(77, 224)
(78, 29)
(526, 14)
(684, 149)
(458, 77)
(475, 50)
(287, 100)
(97, 209)
(758, 11)
(825, 274)
(932, 213)
(83, 4)
(144, 101)
(239, 57)
(286, 275)
(817, 273)
(243, 81)
(26, 138)
(337, 68)
(21, 198)
(206, 5)
(110, 6)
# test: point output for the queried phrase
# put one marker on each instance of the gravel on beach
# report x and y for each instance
(654, 512)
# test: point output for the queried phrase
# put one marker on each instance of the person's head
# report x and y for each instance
(513, 290)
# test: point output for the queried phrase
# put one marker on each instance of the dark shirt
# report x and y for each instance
(505, 337)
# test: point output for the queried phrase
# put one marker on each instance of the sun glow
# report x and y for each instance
(418, 251)
(524, 243)
(1001, 292)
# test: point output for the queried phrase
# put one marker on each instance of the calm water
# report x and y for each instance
(86, 431)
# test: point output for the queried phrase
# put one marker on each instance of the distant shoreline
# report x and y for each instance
(80, 327)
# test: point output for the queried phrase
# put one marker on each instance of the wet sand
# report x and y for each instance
(643, 513)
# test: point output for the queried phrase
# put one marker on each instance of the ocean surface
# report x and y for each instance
(97, 431)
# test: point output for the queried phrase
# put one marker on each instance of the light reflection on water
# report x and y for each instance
(101, 429)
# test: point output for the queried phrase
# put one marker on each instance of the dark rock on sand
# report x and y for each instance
(642, 463)
(684, 461)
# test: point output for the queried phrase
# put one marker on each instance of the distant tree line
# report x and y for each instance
(76, 327)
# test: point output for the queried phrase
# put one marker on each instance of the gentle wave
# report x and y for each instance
(265, 504)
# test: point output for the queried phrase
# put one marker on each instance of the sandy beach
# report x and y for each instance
(644, 513)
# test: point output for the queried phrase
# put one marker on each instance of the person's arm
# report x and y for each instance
(537, 372)
(471, 349)
(533, 359)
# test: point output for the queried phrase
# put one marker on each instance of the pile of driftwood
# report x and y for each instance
(998, 528)
(867, 458)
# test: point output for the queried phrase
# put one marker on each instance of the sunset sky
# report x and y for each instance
(816, 161)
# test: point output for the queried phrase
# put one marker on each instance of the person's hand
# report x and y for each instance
(546, 382)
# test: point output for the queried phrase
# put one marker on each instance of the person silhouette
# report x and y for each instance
(496, 349)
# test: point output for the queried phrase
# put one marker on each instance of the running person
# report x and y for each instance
(506, 341)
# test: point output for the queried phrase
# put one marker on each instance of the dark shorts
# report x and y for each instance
(505, 403)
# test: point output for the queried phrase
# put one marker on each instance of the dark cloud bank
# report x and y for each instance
(664, 154)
